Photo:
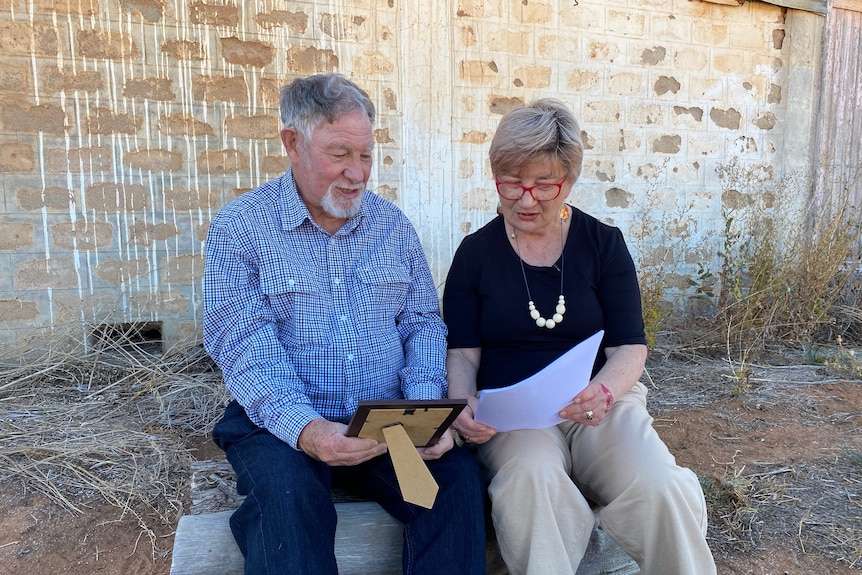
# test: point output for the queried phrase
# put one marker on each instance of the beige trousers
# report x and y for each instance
(542, 482)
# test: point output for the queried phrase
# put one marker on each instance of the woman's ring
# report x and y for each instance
(590, 415)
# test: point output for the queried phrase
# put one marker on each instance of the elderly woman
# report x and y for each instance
(528, 286)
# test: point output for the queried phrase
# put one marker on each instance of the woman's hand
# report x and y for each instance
(588, 407)
(624, 366)
(462, 364)
(437, 450)
(470, 429)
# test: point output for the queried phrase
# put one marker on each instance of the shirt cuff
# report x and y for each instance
(291, 423)
(425, 390)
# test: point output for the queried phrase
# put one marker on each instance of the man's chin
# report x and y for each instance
(342, 210)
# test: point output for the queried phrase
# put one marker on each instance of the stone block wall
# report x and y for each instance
(126, 124)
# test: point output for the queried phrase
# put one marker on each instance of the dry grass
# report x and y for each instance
(778, 273)
(110, 424)
(107, 425)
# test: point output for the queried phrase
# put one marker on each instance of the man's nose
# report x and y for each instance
(354, 170)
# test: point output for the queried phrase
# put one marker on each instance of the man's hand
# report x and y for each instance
(437, 450)
(325, 441)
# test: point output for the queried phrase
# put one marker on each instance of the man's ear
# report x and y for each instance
(290, 140)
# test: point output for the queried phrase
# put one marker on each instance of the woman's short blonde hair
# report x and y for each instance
(545, 128)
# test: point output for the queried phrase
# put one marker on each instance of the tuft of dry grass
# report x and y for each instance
(731, 515)
(844, 361)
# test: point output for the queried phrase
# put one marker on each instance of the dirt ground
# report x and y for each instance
(781, 466)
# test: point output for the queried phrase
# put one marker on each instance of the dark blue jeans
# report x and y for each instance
(286, 525)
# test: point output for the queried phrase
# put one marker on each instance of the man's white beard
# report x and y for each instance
(342, 210)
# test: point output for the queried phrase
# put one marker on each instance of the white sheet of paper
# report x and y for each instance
(535, 402)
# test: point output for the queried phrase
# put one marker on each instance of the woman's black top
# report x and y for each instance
(485, 301)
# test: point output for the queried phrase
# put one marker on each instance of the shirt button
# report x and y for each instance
(291, 282)
(343, 318)
(336, 281)
(349, 357)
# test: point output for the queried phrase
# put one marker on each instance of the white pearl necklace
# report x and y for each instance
(555, 319)
(561, 301)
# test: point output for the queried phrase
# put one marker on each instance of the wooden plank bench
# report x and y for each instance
(367, 539)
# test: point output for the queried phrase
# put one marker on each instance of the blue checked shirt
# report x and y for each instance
(304, 324)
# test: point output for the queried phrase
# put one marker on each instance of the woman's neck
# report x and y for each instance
(540, 249)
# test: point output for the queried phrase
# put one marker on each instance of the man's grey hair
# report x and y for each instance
(306, 103)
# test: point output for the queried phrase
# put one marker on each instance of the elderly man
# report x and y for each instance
(317, 295)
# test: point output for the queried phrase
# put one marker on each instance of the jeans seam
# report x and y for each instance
(251, 494)
(409, 553)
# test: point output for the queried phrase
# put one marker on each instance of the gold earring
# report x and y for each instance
(565, 213)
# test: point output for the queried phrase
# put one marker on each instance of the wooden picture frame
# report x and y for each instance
(424, 420)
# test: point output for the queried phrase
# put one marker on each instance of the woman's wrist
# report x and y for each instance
(609, 397)
(472, 413)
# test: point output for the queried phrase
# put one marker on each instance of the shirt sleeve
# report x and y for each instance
(462, 303)
(619, 293)
(422, 330)
(241, 336)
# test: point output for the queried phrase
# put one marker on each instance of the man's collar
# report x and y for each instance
(293, 209)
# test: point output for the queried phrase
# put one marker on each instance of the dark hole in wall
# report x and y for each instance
(142, 336)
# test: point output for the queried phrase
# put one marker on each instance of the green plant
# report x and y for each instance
(654, 308)
(703, 282)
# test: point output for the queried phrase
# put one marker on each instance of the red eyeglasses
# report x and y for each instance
(541, 192)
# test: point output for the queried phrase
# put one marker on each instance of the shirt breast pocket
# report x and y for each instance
(381, 294)
(300, 306)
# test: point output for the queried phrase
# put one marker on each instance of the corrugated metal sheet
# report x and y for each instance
(816, 6)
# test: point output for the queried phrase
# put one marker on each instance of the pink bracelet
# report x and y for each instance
(609, 397)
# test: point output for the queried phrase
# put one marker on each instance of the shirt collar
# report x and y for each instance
(294, 211)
